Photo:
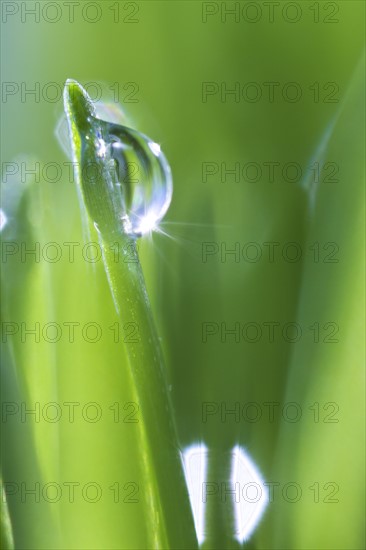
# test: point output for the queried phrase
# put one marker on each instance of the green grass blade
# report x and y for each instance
(327, 450)
(170, 519)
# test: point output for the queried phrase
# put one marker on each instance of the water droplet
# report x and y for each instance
(135, 171)
(143, 176)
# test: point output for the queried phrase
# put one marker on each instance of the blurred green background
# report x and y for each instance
(168, 52)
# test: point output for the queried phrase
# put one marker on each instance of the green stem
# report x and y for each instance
(159, 445)
(170, 517)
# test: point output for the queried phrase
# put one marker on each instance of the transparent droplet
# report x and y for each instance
(135, 173)
(143, 177)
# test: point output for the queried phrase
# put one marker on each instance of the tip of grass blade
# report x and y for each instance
(98, 197)
(78, 105)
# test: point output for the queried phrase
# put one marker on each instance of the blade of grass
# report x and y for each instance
(327, 447)
(34, 520)
(169, 517)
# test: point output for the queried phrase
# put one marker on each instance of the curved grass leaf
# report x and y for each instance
(169, 516)
(326, 450)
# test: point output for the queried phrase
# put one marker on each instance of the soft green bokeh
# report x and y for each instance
(169, 53)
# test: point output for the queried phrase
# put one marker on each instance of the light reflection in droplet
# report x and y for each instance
(155, 148)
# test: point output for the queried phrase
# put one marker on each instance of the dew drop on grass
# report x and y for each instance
(132, 166)
(143, 177)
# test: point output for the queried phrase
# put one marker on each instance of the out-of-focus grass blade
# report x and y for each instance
(29, 448)
(323, 453)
